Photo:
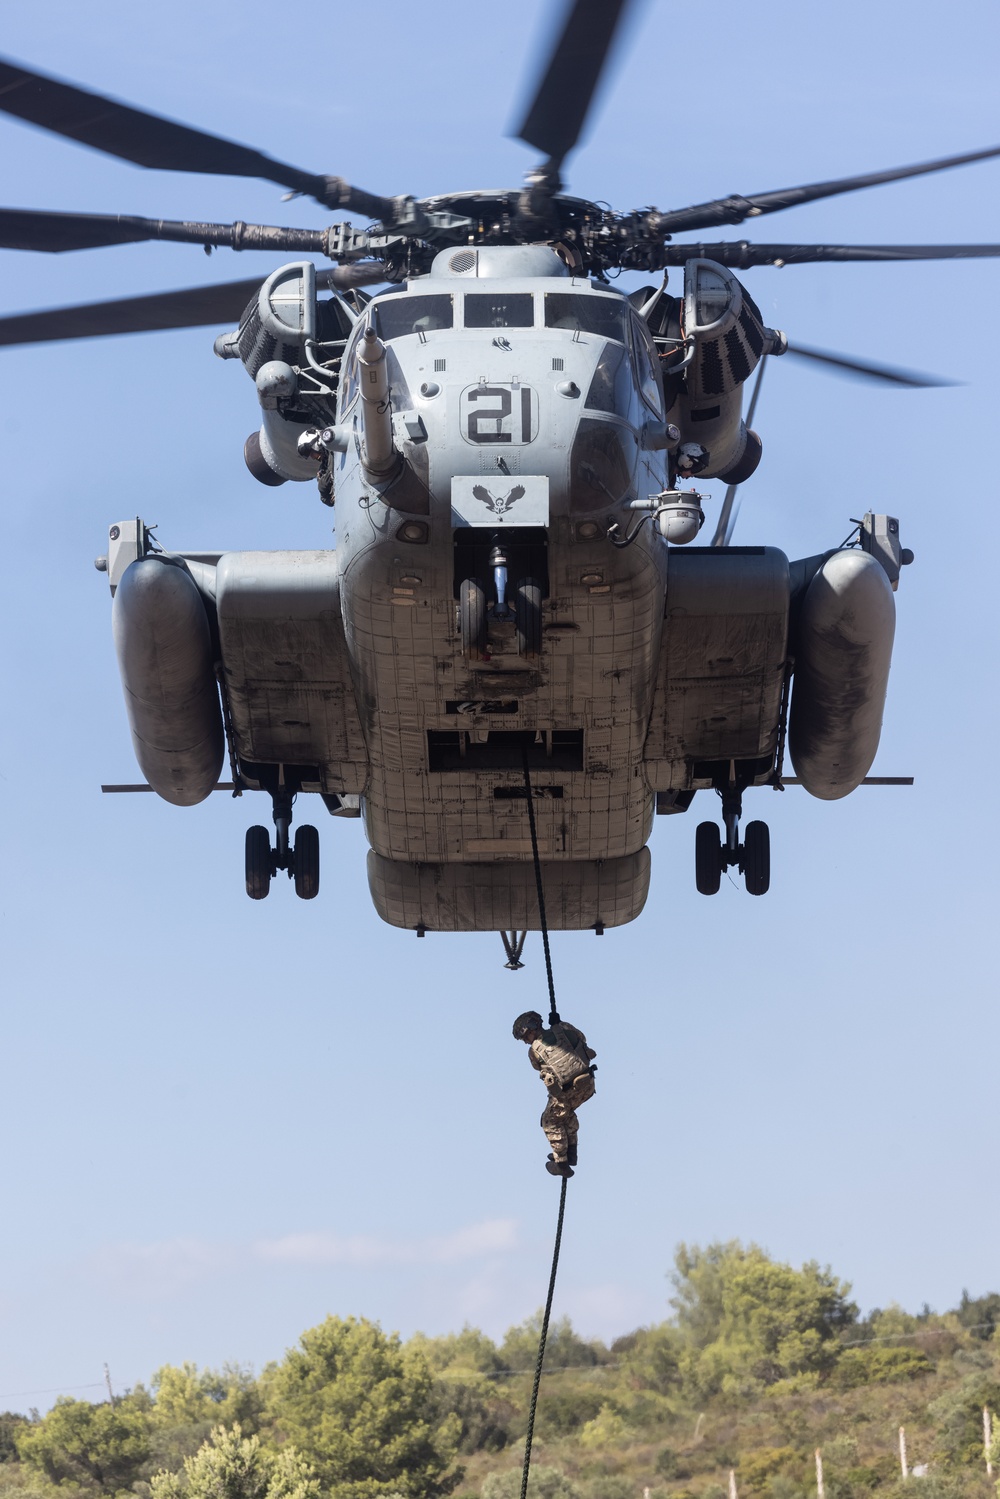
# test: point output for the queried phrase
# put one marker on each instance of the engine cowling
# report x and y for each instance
(725, 339)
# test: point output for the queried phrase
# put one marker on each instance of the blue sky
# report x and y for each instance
(223, 1120)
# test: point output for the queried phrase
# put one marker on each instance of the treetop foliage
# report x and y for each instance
(232, 1466)
(359, 1406)
(759, 1365)
(747, 1319)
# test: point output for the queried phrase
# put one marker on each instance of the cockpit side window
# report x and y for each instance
(395, 317)
(611, 386)
(499, 310)
(604, 316)
(349, 369)
(645, 366)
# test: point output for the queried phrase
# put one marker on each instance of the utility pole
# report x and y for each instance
(107, 1381)
(819, 1474)
(988, 1441)
(902, 1452)
(732, 1484)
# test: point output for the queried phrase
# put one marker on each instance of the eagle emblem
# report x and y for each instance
(499, 504)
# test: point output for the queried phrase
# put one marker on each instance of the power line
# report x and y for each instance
(53, 1390)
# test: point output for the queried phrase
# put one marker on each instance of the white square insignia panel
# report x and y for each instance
(500, 499)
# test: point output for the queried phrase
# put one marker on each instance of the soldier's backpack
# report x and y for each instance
(563, 1057)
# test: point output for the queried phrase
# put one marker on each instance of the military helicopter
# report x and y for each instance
(515, 582)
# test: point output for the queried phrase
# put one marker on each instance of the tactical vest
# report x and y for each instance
(562, 1059)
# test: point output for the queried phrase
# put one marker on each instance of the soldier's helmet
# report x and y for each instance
(529, 1021)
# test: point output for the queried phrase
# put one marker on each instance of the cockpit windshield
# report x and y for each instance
(603, 316)
(499, 309)
(395, 317)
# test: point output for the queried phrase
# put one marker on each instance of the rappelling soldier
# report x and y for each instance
(561, 1054)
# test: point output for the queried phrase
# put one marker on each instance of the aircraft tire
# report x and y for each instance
(707, 858)
(528, 614)
(258, 862)
(472, 619)
(305, 863)
(757, 858)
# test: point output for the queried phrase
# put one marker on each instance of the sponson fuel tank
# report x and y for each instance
(842, 649)
(164, 647)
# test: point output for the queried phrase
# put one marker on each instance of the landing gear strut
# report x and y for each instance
(713, 855)
(301, 860)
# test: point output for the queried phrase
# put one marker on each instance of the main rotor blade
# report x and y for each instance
(192, 307)
(151, 141)
(556, 115)
(742, 255)
(734, 209)
(864, 369)
(33, 229)
(134, 135)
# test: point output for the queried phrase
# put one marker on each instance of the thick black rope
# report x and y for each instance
(553, 1012)
(553, 1020)
(541, 1341)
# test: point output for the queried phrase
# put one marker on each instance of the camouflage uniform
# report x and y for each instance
(563, 1058)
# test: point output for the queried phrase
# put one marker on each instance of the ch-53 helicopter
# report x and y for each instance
(514, 588)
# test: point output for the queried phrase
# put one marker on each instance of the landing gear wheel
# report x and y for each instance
(757, 858)
(259, 866)
(472, 619)
(305, 863)
(528, 614)
(707, 858)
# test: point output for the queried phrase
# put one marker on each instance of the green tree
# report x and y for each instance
(546, 1483)
(649, 1358)
(464, 1363)
(469, 1351)
(187, 1396)
(981, 1314)
(958, 1417)
(185, 1404)
(10, 1424)
(360, 1407)
(877, 1364)
(232, 1466)
(96, 1448)
(563, 1349)
(748, 1320)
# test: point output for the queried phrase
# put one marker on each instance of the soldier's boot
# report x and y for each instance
(558, 1168)
(571, 1153)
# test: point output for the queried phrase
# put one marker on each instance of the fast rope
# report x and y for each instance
(553, 1012)
(553, 1020)
(541, 1343)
